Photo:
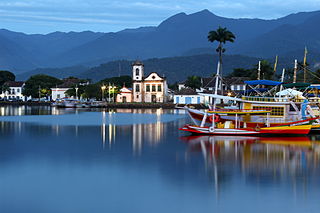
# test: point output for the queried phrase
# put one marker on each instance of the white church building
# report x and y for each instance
(150, 89)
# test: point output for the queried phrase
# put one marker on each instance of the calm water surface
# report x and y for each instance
(137, 161)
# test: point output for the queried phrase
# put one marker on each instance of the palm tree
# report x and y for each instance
(221, 35)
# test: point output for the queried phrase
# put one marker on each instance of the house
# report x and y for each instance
(14, 91)
(125, 95)
(152, 88)
(236, 84)
(207, 85)
(68, 83)
(187, 96)
(58, 93)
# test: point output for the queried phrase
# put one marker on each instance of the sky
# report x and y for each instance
(45, 16)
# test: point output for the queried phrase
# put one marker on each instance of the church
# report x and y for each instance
(150, 89)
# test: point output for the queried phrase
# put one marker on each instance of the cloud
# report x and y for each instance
(116, 14)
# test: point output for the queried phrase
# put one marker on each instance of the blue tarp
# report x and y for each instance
(315, 86)
(254, 90)
(263, 82)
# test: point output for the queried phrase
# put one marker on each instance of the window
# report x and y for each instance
(137, 88)
(148, 88)
(18, 90)
(137, 71)
(277, 111)
(153, 88)
(58, 95)
(159, 88)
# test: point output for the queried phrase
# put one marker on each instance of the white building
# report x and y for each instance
(152, 88)
(124, 96)
(187, 96)
(58, 93)
(14, 91)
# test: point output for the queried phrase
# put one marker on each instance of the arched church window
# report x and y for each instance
(137, 71)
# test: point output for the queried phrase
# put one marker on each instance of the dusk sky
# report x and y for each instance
(45, 16)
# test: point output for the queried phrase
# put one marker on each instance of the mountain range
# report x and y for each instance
(176, 69)
(180, 35)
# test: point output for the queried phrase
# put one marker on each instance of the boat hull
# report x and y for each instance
(285, 131)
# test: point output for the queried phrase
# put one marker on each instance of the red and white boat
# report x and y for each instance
(212, 124)
(198, 115)
(279, 130)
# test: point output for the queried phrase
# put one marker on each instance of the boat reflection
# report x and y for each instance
(268, 159)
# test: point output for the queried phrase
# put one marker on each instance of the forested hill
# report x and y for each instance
(174, 68)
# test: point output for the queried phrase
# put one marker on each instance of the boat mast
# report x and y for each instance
(282, 78)
(217, 84)
(259, 71)
(295, 71)
(305, 65)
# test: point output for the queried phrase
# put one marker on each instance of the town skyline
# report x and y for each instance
(42, 17)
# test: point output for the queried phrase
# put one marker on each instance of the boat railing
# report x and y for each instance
(271, 99)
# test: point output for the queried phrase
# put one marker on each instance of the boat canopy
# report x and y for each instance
(263, 82)
(254, 90)
(314, 86)
(299, 85)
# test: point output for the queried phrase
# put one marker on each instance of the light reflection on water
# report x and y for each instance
(151, 167)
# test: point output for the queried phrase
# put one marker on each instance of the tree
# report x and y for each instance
(193, 82)
(92, 91)
(266, 72)
(118, 81)
(174, 86)
(241, 72)
(221, 35)
(4, 77)
(72, 91)
(40, 85)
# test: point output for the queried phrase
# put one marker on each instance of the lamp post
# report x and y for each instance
(102, 91)
(76, 92)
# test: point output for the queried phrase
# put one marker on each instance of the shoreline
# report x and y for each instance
(113, 105)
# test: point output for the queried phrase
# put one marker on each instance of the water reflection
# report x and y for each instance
(150, 134)
(260, 160)
(107, 167)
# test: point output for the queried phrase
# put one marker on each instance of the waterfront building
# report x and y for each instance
(59, 93)
(14, 91)
(152, 88)
(236, 84)
(125, 95)
(68, 83)
(187, 96)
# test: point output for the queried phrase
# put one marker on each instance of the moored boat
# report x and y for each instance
(281, 130)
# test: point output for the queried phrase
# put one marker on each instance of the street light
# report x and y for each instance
(102, 90)
(76, 92)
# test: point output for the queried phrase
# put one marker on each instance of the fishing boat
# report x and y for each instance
(279, 130)
(228, 115)
(236, 127)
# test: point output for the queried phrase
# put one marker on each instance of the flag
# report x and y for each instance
(275, 64)
(305, 56)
